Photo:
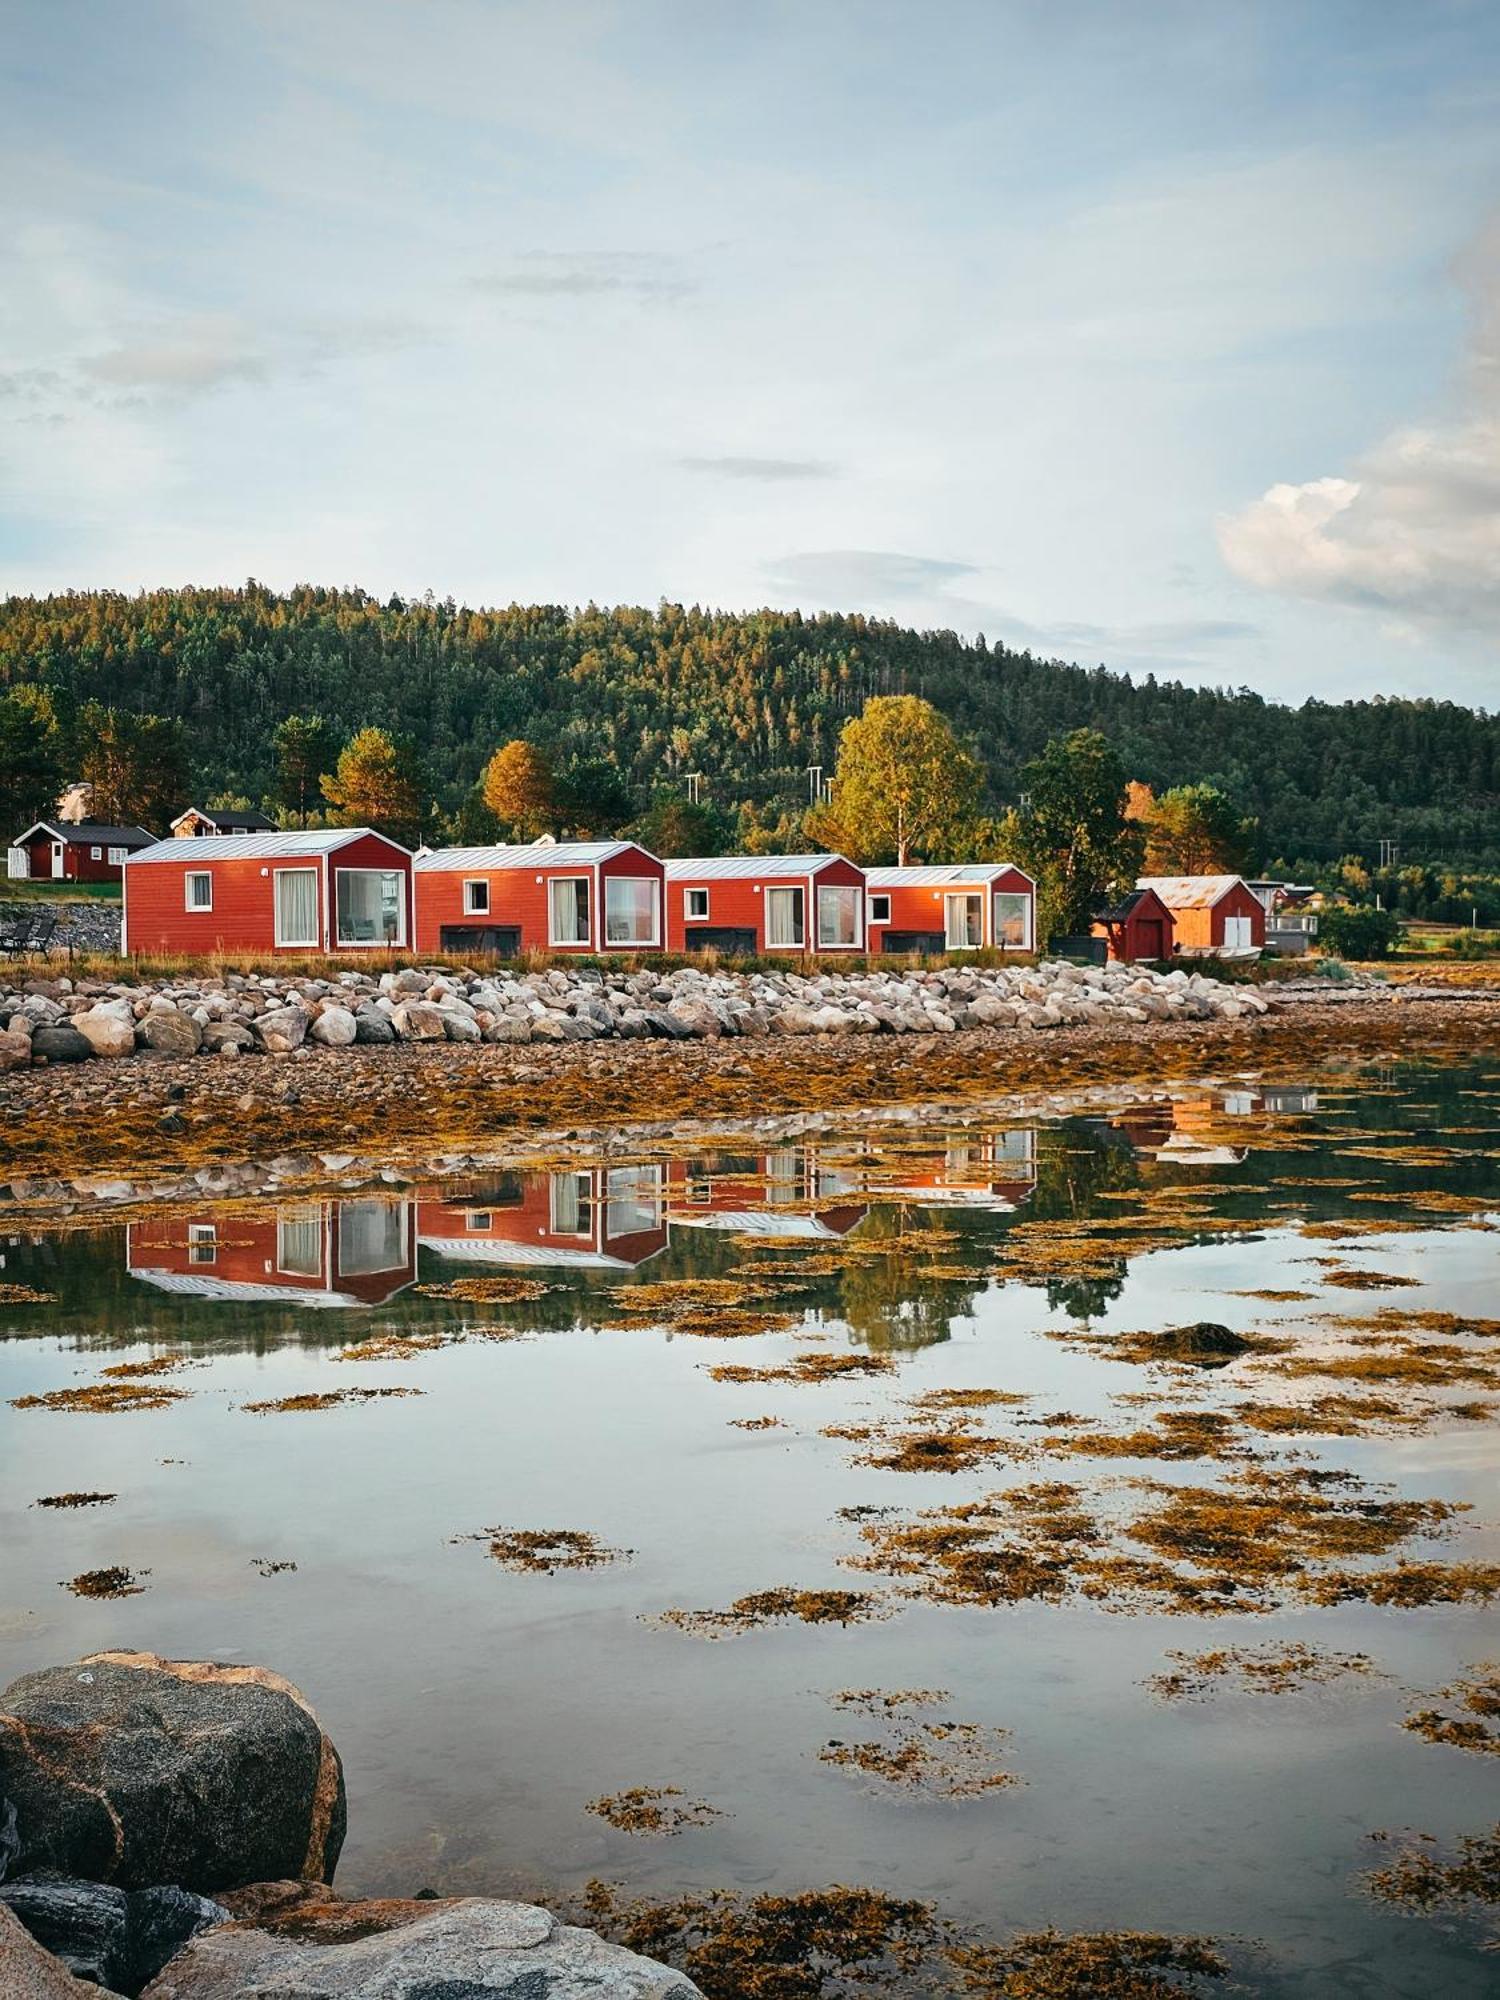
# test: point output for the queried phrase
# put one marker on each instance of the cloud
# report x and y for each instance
(863, 576)
(563, 274)
(182, 366)
(1413, 527)
(770, 469)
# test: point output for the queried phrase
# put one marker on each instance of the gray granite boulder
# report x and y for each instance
(135, 1770)
(116, 1938)
(27, 1972)
(60, 1043)
(171, 1033)
(470, 1949)
(282, 1029)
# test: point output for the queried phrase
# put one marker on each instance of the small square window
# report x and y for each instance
(880, 909)
(695, 904)
(479, 1219)
(476, 899)
(200, 892)
(96, 854)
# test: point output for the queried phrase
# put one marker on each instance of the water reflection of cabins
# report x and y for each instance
(991, 1170)
(787, 1191)
(328, 1253)
(594, 1218)
(1191, 1131)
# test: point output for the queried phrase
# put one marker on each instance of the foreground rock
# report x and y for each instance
(133, 1770)
(274, 1014)
(462, 1950)
(111, 1937)
(27, 1972)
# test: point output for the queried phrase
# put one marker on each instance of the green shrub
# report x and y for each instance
(1360, 931)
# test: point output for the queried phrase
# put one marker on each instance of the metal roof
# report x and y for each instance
(1190, 892)
(253, 846)
(745, 867)
(534, 854)
(250, 816)
(932, 875)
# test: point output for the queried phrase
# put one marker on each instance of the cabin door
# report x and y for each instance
(59, 853)
(963, 922)
(1237, 934)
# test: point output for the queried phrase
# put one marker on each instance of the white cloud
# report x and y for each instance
(1413, 528)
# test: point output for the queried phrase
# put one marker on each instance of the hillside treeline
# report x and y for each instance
(749, 699)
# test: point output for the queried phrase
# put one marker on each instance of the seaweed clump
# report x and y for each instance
(939, 1758)
(768, 1607)
(770, 1947)
(1111, 1965)
(808, 1368)
(103, 1398)
(1476, 1725)
(75, 1499)
(113, 1581)
(1419, 1879)
(540, 1551)
(653, 1810)
(1257, 1670)
(322, 1399)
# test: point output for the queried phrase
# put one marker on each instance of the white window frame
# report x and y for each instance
(197, 875)
(117, 856)
(689, 914)
(962, 896)
(305, 1219)
(799, 890)
(823, 889)
(398, 942)
(1027, 909)
(286, 943)
(584, 943)
(96, 854)
(471, 884)
(640, 943)
(880, 906)
(581, 1185)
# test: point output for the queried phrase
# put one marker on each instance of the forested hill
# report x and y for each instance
(749, 699)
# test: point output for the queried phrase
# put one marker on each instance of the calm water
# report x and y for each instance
(480, 1710)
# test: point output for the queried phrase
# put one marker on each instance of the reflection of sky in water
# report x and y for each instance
(478, 1711)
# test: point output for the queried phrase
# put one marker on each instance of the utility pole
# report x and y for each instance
(1389, 849)
(814, 783)
(694, 784)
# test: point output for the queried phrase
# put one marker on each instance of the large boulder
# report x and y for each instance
(27, 1972)
(109, 1031)
(417, 1021)
(469, 1949)
(135, 1770)
(282, 1029)
(15, 1050)
(334, 1027)
(372, 1026)
(171, 1033)
(60, 1043)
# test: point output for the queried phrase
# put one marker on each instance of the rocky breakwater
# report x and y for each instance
(237, 1015)
(170, 1829)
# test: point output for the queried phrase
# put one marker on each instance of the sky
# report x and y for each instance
(1163, 336)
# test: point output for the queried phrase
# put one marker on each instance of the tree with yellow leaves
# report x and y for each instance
(378, 783)
(520, 790)
(903, 785)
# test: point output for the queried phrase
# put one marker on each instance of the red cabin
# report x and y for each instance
(324, 1254)
(595, 1219)
(331, 889)
(1213, 915)
(747, 905)
(1139, 927)
(962, 907)
(64, 850)
(563, 896)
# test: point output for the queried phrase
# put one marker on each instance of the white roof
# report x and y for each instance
(490, 1250)
(936, 873)
(242, 1291)
(1190, 892)
(754, 1222)
(249, 846)
(535, 854)
(744, 867)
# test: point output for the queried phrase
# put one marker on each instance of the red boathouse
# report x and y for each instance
(746, 905)
(331, 889)
(1139, 927)
(1212, 915)
(566, 896)
(963, 906)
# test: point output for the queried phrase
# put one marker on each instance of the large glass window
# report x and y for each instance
(784, 919)
(634, 1200)
(570, 1203)
(631, 904)
(371, 906)
(838, 918)
(568, 901)
(1012, 920)
(372, 1237)
(299, 1244)
(297, 907)
(964, 922)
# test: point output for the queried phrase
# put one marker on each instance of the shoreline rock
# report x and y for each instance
(241, 1014)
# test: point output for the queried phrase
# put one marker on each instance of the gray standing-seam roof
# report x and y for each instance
(253, 846)
(745, 867)
(534, 854)
(90, 833)
(934, 874)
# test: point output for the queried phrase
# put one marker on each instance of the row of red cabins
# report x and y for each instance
(350, 890)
